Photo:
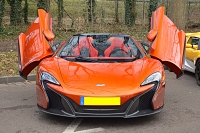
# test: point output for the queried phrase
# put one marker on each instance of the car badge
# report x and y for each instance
(100, 84)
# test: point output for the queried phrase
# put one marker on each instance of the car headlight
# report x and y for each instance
(48, 77)
(153, 77)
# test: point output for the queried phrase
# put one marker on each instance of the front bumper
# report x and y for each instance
(134, 107)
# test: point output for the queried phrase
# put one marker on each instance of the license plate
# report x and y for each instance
(100, 101)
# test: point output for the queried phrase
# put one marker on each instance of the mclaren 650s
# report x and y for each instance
(101, 74)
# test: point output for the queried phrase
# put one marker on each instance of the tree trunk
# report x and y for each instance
(26, 12)
(60, 13)
(153, 4)
(48, 5)
(42, 4)
(143, 13)
(15, 12)
(2, 9)
(18, 11)
(91, 10)
(12, 13)
(177, 12)
(130, 12)
(116, 11)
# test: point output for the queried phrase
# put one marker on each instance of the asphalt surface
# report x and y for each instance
(181, 113)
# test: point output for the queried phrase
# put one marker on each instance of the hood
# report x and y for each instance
(101, 78)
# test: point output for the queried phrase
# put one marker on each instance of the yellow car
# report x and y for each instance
(192, 61)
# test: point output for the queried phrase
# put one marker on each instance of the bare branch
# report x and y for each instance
(65, 11)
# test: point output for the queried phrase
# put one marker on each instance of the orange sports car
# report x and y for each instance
(101, 74)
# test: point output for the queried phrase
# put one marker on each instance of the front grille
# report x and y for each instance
(146, 99)
(54, 99)
(100, 109)
(63, 105)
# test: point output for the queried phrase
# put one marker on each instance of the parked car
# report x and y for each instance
(192, 61)
(101, 74)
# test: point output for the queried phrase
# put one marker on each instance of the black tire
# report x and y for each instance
(197, 72)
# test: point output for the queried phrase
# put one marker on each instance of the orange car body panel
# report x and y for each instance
(169, 43)
(80, 78)
(158, 99)
(33, 46)
(42, 98)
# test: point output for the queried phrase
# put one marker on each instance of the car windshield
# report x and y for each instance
(100, 48)
(195, 40)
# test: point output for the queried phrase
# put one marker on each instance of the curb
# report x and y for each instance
(11, 79)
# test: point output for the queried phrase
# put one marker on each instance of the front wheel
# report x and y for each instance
(197, 72)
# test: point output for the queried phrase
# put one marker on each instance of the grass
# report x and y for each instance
(11, 32)
(8, 64)
(105, 12)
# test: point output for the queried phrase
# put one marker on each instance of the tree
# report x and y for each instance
(178, 17)
(91, 10)
(48, 5)
(15, 12)
(2, 9)
(153, 4)
(12, 12)
(42, 4)
(130, 12)
(60, 13)
(166, 4)
(25, 12)
(116, 11)
(18, 11)
(61, 10)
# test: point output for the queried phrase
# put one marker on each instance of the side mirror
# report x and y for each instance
(152, 35)
(188, 45)
(49, 35)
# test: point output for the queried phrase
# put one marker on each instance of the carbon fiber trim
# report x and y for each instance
(135, 107)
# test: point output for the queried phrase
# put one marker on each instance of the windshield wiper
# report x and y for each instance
(86, 59)
(82, 59)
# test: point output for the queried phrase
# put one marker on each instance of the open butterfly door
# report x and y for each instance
(167, 42)
(34, 44)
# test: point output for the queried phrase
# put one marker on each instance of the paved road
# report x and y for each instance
(181, 113)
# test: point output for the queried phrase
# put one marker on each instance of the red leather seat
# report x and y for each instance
(116, 43)
(85, 43)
